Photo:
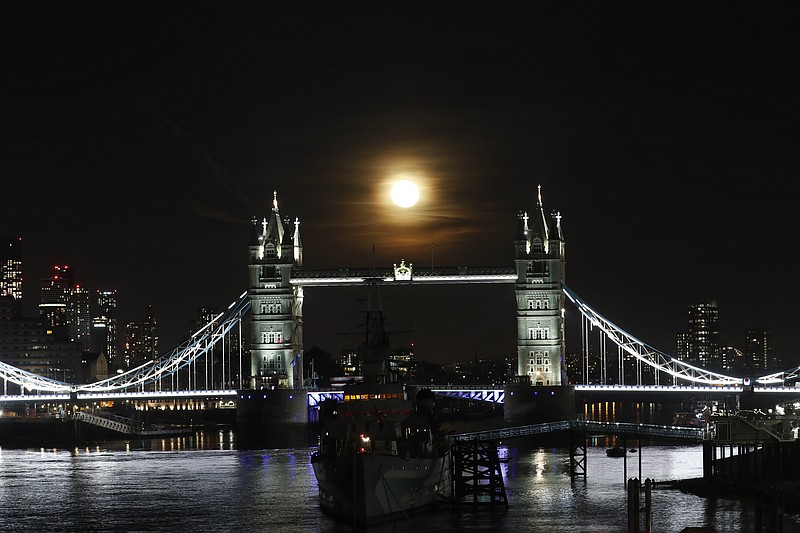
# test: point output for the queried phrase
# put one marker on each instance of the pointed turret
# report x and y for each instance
(556, 245)
(272, 238)
(297, 243)
(255, 241)
(539, 232)
(521, 240)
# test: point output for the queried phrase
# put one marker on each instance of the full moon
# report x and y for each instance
(405, 193)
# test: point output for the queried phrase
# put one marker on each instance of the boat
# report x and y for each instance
(381, 455)
(616, 451)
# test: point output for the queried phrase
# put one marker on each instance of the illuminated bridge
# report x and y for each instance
(185, 373)
(211, 366)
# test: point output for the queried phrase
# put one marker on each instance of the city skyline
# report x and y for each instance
(661, 133)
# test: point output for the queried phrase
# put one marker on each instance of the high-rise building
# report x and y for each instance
(141, 340)
(731, 358)
(104, 325)
(704, 347)
(757, 349)
(65, 304)
(11, 270)
(80, 323)
(682, 342)
(54, 287)
(29, 345)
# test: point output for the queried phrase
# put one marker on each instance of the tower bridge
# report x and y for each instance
(272, 310)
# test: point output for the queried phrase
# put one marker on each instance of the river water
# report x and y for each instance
(215, 481)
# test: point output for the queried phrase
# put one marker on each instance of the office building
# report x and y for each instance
(11, 270)
(704, 345)
(757, 350)
(141, 340)
(65, 304)
(104, 325)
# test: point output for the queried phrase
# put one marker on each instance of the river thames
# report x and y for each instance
(215, 481)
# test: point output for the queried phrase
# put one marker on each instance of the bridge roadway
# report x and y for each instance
(610, 392)
(487, 394)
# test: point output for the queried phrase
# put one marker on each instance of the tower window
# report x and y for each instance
(269, 272)
(271, 308)
(538, 364)
(273, 337)
(537, 333)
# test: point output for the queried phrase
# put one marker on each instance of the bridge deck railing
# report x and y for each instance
(584, 426)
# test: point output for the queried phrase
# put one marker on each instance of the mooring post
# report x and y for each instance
(639, 451)
(633, 505)
(625, 460)
(648, 505)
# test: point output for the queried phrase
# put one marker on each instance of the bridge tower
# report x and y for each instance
(539, 258)
(276, 315)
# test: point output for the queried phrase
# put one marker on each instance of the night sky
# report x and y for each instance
(141, 138)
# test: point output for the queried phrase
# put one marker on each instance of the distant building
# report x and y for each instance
(104, 326)
(704, 346)
(732, 359)
(8, 308)
(401, 362)
(757, 350)
(65, 304)
(11, 271)
(32, 346)
(350, 363)
(94, 366)
(141, 340)
(80, 323)
(205, 315)
(682, 344)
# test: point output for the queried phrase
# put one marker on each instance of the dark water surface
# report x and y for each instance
(214, 481)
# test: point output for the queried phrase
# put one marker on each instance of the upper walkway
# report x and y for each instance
(588, 427)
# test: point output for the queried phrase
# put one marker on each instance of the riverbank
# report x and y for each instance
(777, 499)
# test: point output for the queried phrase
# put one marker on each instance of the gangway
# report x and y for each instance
(127, 426)
(589, 427)
(476, 471)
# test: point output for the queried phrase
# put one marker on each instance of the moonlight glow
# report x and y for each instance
(405, 193)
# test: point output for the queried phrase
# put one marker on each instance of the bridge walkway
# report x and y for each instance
(477, 478)
(127, 426)
(588, 427)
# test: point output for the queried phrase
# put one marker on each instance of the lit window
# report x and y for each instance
(537, 333)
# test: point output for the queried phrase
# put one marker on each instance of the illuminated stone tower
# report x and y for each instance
(276, 315)
(539, 258)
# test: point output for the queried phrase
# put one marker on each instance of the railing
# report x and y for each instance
(584, 426)
(116, 423)
(127, 426)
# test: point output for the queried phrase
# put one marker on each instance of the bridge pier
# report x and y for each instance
(477, 478)
(577, 455)
(528, 404)
(257, 409)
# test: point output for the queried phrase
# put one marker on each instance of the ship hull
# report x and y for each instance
(369, 489)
